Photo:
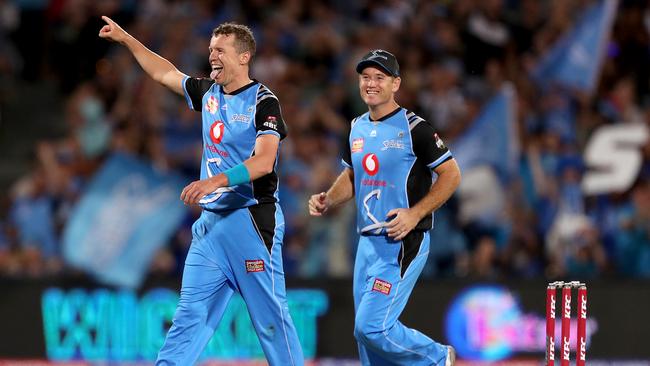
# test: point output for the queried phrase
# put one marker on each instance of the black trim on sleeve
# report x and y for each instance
(196, 89)
(425, 144)
(347, 154)
(268, 117)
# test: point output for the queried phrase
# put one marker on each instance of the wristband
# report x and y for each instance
(237, 175)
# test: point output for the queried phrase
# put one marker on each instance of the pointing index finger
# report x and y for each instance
(108, 20)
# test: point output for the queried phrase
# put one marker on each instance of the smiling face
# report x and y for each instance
(377, 88)
(227, 64)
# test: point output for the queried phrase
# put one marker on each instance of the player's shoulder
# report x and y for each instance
(199, 83)
(264, 93)
(413, 119)
(359, 118)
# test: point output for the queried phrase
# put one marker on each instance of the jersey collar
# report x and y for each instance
(253, 82)
(386, 116)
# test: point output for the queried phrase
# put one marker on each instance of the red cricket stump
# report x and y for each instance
(581, 347)
(566, 325)
(550, 325)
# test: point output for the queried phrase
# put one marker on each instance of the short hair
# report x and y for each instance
(244, 40)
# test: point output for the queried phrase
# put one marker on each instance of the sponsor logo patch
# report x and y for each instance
(237, 117)
(271, 122)
(381, 286)
(212, 105)
(357, 145)
(216, 131)
(216, 150)
(373, 182)
(254, 265)
(392, 144)
(370, 164)
(439, 143)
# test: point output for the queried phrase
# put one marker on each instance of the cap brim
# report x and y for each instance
(367, 63)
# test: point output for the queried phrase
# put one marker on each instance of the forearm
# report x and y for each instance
(441, 190)
(157, 67)
(342, 190)
(256, 167)
(259, 166)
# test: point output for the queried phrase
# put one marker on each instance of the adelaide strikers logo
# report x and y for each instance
(216, 131)
(370, 164)
(212, 105)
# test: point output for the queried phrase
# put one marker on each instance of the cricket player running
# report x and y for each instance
(388, 164)
(237, 241)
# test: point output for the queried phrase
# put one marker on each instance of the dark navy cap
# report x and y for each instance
(382, 59)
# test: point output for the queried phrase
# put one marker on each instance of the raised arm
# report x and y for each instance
(153, 64)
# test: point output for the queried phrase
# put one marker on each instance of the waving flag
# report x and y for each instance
(491, 139)
(128, 211)
(575, 60)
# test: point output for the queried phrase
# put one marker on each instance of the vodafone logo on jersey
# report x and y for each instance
(370, 164)
(216, 131)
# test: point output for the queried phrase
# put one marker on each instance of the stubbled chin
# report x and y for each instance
(370, 99)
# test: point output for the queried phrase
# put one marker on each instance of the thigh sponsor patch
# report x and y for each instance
(254, 265)
(381, 286)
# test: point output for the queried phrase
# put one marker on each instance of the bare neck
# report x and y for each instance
(379, 111)
(237, 82)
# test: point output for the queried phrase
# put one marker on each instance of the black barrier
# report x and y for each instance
(76, 319)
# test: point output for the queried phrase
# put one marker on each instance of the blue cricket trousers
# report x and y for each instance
(385, 273)
(233, 251)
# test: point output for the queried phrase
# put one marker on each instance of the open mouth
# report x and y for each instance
(216, 71)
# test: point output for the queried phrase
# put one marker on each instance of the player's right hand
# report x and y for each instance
(112, 31)
(318, 204)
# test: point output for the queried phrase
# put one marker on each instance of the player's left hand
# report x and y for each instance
(194, 191)
(404, 220)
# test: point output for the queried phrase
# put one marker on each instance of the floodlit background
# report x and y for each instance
(545, 104)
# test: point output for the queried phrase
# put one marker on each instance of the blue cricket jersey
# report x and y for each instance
(231, 124)
(392, 160)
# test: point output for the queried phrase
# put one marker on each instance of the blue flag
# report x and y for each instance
(575, 60)
(127, 212)
(491, 139)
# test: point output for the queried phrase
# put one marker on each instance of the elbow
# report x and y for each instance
(455, 178)
(266, 168)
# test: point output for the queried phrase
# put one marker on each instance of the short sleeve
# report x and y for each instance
(195, 89)
(428, 146)
(268, 118)
(346, 156)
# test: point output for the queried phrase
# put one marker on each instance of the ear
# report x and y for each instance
(244, 58)
(396, 83)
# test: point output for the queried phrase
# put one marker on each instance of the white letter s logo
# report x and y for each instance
(614, 158)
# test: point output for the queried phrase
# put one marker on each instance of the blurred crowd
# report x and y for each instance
(454, 55)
